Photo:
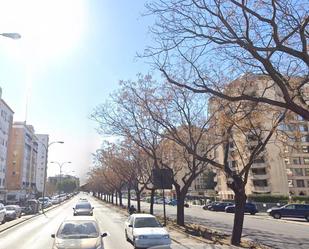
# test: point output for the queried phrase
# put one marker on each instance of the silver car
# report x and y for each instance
(80, 233)
(13, 209)
(83, 208)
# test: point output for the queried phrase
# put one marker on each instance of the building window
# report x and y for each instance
(260, 183)
(306, 172)
(259, 160)
(296, 160)
(305, 139)
(308, 183)
(305, 149)
(261, 171)
(303, 127)
(300, 183)
(306, 160)
(298, 172)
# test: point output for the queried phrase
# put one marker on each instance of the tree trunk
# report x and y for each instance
(138, 200)
(152, 200)
(116, 195)
(180, 208)
(112, 196)
(240, 201)
(129, 197)
(120, 198)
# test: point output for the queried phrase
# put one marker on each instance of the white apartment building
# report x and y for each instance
(43, 140)
(6, 119)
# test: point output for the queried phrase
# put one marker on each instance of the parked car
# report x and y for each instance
(172, 202)
(208, 206)
(144, 231)
(249, 208)
(55, 200)
(13, 211)
(80, 233)
(2, 214)
(45, 202)
(83, 208)
(220, 206)
(290, 210)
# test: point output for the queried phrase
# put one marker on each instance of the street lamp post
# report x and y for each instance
(60, 167)
(45, 170)
(14, 36)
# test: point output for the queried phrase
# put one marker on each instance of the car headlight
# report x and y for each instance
(166, 236)
(268, 210)
(142, 237)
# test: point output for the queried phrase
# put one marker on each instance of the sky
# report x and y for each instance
(70, 58)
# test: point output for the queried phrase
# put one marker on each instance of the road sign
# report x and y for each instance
(162, 178)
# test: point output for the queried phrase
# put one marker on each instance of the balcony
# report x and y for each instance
(260, 176)
(258, 165)
(261, 190)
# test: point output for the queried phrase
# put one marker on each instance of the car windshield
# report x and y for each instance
(83, 206)
(9, 208)
(78, 229)
(146, 222)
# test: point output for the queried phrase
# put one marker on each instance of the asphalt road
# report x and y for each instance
(281, 234)
(35, 233)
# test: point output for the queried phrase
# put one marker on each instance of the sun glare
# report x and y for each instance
(50, 29)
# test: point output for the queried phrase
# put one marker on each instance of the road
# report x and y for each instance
(35, 233)
(281, 234)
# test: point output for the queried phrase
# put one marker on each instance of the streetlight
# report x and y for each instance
(45, 171)
(60, 167)
(14, 36)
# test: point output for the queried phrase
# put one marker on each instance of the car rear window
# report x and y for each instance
(146, 222)
(83, 206)
(78, 229)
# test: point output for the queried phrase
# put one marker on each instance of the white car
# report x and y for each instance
(144, 231)
(2, 213)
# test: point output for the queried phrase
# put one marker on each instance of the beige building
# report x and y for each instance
(283, 167)
(22, 162)
(6, 119)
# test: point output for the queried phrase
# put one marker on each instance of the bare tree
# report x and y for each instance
(205, 45)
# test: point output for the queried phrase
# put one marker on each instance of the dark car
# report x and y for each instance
(249, 208)
(81, 233)
(208, 206)
(219, 206)
(290, 210)
(83, 208)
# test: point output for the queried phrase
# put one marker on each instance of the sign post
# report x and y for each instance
(162, 179)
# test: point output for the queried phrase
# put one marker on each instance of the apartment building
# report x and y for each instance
(22, 162)
(6, 119)
(43, 140)
(283, 167)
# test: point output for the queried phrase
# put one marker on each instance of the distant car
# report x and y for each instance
(144, 230)
(291, 211)
(172, 202)
(55, 200)
(83, 208)
(83, 199)
(17, 209)
(45, 202)
(82, 233)
(2, 214)
(208, 206)
(249, 208)
(220, 206)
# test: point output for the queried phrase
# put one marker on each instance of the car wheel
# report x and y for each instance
(127, 238)
(277, 215)
(307, 217)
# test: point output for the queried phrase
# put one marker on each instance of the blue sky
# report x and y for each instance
(70, 58)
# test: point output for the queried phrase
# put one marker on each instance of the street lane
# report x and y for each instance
(281, 234)
(35, 233)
